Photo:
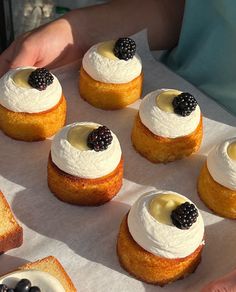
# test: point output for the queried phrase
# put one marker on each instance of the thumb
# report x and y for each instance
(17, 56)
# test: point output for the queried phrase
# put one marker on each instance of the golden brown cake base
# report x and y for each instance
(218, 198)
(33, 126)
(52, 266)
(11, 233)
(80, 191)
(161, 149)
(109, 96)
(148, 267)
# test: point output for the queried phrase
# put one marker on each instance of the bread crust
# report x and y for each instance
(161, 149)
(216, 197)
(13, 236)
(33, 126)
(109, 96)
(52, 266)
(81, 191)
(150, 268)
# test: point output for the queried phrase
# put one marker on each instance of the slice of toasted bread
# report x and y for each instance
(11, 233)
(52, 266)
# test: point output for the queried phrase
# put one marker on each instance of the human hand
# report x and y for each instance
(225, 284)
(51, 45)
(68, 38)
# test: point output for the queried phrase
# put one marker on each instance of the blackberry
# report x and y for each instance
(184, 104)
(184, 215)
(99, 139)
(125, 48)
(34, 289)
(40, 78)
(23, 285)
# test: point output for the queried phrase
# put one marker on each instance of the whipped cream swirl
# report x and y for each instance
(84, 163)
(28, 100)
(106, 70)
(161, 239)
(45, 281)
(221, 167)
(166, 124)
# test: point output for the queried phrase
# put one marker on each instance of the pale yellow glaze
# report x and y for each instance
(106, 50)
(77, 136)
(164, 100)
(232, 150)
(162, 205)
(21, 78)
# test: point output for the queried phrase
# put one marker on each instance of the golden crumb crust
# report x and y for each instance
(52, 266)
(218, 198)
(11, 234)
(109, 96)
(161, 149)
(150, 268)
(33, 126)
(81, 191)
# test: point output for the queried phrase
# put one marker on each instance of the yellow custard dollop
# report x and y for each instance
(164, 100)
(77, 136)
(21, 78)
(231, 150)
(106, 50)
(162, 205)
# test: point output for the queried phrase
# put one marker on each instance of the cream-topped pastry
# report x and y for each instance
(168, 126)
(217, 180)
(32, 104)
(221, 163)
(102, 65)
(18, 96)
(85, 165)
(161, 238)
(43, 280)
(150, 225)
(157, 114)
(74, 157)
(111, 75)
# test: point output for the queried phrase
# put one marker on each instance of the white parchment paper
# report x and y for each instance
(84, 238)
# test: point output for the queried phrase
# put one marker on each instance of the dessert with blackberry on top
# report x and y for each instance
(168, 126)
(32, 105)
(217, 179)
(111, 74)
(161, 238)
(85, 164)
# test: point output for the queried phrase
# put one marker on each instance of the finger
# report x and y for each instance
(25, 56)
(14, 57)
(220, 286)
(5, 60)
(52, 62)
(51, 65)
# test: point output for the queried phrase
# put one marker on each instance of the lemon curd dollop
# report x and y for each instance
(77, 136)
(162, 205)
(21, 77)
(231, 150)
(106, 50)
(165, 98)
